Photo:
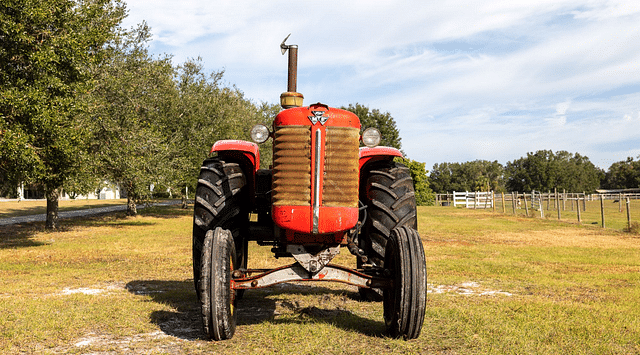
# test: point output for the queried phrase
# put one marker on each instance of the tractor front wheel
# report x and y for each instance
(217, 298)
(405, 303)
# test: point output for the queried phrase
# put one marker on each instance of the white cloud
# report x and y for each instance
(487, 80)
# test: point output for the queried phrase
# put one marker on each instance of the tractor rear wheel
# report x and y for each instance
(217, 298)
(219, 202)
(391, 203)
(405, 303)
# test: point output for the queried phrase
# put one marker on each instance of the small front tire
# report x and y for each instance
(217, 298)
(405, 303)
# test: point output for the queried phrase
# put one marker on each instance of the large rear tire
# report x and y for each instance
(219, 202)
(391, 203)
(217, 298)
(405, 303)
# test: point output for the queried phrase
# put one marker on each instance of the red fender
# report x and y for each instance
(249, 149)
(377, 153)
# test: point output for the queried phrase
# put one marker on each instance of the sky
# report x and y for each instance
(486, 80)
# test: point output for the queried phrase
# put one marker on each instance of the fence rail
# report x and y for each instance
(473, 199)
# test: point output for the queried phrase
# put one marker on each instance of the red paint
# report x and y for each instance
(248, 149)
(300, 116)
(377, 153)
(299, 218)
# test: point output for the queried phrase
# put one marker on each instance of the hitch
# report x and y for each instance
(291, 98)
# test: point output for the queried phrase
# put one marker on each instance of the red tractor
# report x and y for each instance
(324, 192)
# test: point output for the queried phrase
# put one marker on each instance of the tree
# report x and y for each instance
(384, 122)
(477, 175)
(545, 170)
(132, 95)
(424, 194)
(623, 175)
(206, 111)
(46, 46)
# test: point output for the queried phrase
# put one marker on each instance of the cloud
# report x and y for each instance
(487, 80)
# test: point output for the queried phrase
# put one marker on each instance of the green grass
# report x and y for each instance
(498, 284)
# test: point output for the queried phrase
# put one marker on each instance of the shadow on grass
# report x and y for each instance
(255, 307)
(21, 235)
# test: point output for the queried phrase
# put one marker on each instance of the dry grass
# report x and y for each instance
(497, 284)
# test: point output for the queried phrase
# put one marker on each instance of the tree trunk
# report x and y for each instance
(52, 209)
(185, 205)
(131, 206)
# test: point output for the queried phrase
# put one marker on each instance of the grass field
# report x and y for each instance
(497, 284)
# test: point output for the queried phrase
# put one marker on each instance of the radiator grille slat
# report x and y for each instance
(341, 167)
(292, 166)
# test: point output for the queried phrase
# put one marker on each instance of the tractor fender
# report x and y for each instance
(231, 148)
(368, 155)
(246, 154)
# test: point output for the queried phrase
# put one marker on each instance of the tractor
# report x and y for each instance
(322, 193)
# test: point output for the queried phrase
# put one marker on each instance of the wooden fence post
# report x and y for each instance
(572, 203)
(526, 208)
(503, 208)
(513, 202)
(584, 202)
(493, 200)
(620, 202)
(557, 202)
(578, 209)
(628, 215)
(602, 209)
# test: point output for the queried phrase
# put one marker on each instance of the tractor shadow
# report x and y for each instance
(275, 305)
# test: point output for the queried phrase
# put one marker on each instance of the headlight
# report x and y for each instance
(371, 137)
(260, 133)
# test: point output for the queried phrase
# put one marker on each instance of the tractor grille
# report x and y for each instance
(292, 166)
(341, 167)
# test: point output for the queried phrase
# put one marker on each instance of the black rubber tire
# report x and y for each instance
(391, 203)
(217, 299)
(219, 202)
(405, 303)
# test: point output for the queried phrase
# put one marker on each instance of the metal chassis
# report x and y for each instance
(242, 279)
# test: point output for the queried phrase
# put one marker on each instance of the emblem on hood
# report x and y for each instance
(318, 116)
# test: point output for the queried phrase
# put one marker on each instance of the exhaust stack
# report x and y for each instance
(291, 98)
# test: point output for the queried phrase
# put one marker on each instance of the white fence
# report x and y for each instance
(473, 199)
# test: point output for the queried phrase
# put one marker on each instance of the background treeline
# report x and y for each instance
(543, 170)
